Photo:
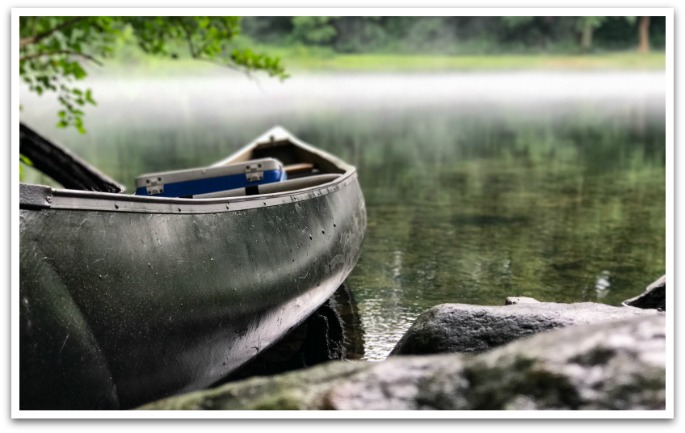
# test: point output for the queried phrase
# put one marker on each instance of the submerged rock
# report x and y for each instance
(613, 365)
(463, 328)
(654, 296)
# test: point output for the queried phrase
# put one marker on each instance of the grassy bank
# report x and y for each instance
(392, 62)
(311, 60)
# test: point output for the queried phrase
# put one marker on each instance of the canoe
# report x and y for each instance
(125, 298)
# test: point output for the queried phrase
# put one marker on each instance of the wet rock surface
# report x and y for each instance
(654, 296)
(462, 328)
(617, 364)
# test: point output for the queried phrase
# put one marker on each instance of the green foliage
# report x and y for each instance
(517, 21)
(54, 51)
(314, 30)
(453, 35)
(586, 26)
(360, 34)
(583, 23)
(23, 160)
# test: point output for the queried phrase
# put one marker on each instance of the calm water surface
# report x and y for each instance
(478, 186)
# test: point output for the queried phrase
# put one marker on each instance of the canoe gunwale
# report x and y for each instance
(42, 197)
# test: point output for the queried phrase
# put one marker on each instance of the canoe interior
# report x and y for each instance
(290, 155)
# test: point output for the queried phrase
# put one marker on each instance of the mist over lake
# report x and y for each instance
(478, 185)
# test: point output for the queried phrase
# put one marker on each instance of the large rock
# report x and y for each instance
(462, 328)
(654, 296)
(613, 365)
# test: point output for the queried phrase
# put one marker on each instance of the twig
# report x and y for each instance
(67, 52)
(189, 39)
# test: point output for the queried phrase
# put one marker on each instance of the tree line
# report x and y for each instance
(460, 34)
(54, 50)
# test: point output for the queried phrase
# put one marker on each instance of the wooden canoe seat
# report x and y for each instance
(302, 167)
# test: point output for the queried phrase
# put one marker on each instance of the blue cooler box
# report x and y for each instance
(191, 182)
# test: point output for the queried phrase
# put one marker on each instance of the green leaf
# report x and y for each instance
(25, 159)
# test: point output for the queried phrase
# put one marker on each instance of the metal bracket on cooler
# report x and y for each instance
(254, 172)
(155, 186)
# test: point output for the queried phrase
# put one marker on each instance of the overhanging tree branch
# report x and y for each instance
(52, 47)
(37, 38)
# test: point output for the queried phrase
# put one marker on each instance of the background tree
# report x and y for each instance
(54, 51)
(586, 26)
(643, 27)
(314, 30)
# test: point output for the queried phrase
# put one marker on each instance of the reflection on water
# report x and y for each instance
(478, 186)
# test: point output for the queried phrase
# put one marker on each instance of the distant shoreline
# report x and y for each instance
(298, 62)
(395, 62)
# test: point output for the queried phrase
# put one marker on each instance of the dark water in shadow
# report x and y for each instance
(478, 186)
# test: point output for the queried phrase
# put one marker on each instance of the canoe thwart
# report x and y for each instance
(302, 167)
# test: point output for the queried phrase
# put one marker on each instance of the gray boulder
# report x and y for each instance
(462, 328)
(654, 296)
(613, 365)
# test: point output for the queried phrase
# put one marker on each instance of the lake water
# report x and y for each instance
(478, 186)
